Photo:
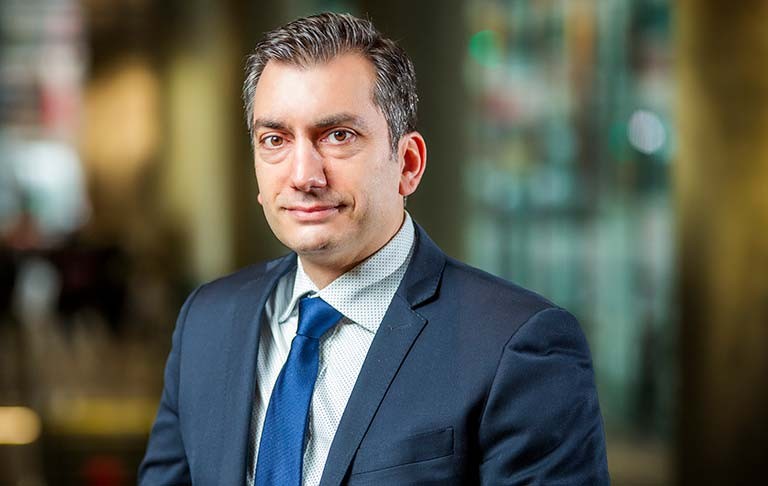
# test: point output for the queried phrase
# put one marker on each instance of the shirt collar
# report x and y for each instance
(385, 268)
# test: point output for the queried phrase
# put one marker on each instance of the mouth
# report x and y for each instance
(313, 213)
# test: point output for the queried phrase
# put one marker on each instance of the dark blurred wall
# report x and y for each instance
(722, 191)
(208, 177)
(254, 240)
(434, 33)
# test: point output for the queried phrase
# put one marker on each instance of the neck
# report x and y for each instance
(323, 275)
(324, 269)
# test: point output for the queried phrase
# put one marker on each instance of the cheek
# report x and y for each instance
(362, 186)
(265, 182)
(386, 182)
(375, 198)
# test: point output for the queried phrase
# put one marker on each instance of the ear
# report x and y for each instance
(413, 162)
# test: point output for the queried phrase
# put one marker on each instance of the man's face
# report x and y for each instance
(328, 183)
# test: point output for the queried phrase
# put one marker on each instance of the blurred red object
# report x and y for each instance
(103, 471)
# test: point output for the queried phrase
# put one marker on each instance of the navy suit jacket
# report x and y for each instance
(469, 380)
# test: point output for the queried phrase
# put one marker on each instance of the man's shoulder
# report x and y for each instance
(487, 311)
(484, 292)
(465, 290)
(475, 278)
(250, 275)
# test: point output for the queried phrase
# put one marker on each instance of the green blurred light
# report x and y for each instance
(484, 47)
(617, 141)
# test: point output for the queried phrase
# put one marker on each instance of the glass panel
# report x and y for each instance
(568, 177)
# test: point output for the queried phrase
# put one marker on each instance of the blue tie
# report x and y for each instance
(281, 450)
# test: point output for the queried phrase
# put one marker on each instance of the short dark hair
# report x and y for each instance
(319, 39)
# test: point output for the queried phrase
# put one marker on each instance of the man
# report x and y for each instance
(366, 356)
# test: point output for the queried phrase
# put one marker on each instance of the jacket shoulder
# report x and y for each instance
(482, 287)
(231, 284)
(480, 301)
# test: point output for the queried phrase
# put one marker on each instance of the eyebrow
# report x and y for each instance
(325, 122)
(268, 123)
(341, 119)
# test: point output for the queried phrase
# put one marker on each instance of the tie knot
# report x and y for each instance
(316, 316)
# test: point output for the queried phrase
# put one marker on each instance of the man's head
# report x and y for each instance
(318, 39)
(335, 150)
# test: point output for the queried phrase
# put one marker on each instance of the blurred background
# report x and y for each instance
(610, 154)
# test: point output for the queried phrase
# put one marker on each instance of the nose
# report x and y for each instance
(308, 169)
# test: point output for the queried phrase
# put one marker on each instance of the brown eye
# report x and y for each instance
(340, 136)
(273, 141)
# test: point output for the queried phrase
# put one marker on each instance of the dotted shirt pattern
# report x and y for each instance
(363, 296)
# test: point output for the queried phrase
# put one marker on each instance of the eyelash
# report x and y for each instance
(349, 134)
(264, 141)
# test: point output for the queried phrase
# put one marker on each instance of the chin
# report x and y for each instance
(309, 245)
(310, 249)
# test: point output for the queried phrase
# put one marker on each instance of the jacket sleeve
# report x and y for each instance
(541, 423)
(165, 461)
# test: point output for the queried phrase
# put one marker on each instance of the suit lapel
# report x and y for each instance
(241, 351)
(398, 331)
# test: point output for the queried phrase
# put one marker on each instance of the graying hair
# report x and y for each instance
(320, 38)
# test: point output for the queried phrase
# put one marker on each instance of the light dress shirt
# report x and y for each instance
(362, 295)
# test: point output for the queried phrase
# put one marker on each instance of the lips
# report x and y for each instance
(313, 213)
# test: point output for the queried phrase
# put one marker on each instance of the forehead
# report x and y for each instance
(289, 91)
